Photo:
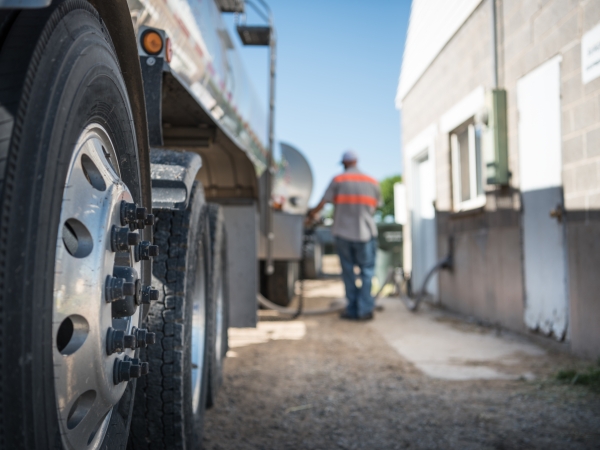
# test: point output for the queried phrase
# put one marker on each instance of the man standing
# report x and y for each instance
(355, 197)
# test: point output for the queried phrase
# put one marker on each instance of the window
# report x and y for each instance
(467, 185)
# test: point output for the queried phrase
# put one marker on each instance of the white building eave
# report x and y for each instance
(432, 24)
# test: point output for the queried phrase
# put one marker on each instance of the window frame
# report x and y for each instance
(476, 200)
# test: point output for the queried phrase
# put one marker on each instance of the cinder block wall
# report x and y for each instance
(488, 280)
(533, 32)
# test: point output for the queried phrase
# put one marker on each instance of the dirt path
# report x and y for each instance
(323, 383)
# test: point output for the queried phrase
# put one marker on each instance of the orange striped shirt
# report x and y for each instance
(354, 199)
(357, 177)
(355, 196)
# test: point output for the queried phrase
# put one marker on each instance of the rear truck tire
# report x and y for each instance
(170, 402)
(68, 159)
(218, 301)
(280, 286)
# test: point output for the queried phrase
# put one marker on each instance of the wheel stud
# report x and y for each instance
(144, 250)
(122, 371)
(135, 370)
(138, 224)
(129, 341)
(143, 337)
(131, 213)
(115, 341)
(149, 294)
(122, 238)
(144, 366)
(116, 288)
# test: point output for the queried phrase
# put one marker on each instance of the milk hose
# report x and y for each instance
(297, 312)
(394, 275)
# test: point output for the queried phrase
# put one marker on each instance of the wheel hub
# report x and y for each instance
(94, 306)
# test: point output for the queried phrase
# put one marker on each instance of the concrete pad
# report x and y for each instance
(265, 332)
(441, 349)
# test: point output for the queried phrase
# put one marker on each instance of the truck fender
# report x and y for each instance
(173, 174)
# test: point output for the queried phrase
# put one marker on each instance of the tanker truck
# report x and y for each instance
(141, 214)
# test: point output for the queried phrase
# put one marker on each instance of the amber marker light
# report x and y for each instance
(169, 50)
(152, 42)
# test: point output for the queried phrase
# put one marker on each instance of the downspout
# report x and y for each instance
(494, 45)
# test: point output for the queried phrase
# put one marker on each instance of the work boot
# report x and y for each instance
(344, 315)
(365, 317)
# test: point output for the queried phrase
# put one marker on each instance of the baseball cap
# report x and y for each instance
(349, 156)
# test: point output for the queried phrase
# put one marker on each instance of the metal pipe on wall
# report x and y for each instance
(494, 44)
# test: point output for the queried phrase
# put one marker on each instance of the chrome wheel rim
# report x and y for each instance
(83, 370)
(198, 335)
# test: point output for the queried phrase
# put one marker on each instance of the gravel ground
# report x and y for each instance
(342, 386)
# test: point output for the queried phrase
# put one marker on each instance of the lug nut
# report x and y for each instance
(143, 337)
(122, 371)
(144, 250)
(115, 341)
(122, 238)
(135, 370)
(138, 224)
(144, 367)
(129, 341)
(127, 305)
(128, 288)
(117, 288)
(149, 294)
(130, 213)
(141, 334)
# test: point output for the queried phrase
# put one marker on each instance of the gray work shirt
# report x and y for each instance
(355, 196)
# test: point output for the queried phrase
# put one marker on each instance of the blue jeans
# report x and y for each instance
(361, 254)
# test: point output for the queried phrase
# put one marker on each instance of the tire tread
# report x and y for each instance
(159, 417)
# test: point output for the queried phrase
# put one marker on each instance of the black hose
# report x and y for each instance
(446, 263)
(393, 275)
(309, 232)
(443, 264)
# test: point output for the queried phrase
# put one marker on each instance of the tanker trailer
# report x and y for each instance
(291, 193)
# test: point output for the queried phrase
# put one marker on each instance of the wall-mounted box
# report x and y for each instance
(495, 139)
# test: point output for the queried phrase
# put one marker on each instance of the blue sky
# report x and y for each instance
(337, 73)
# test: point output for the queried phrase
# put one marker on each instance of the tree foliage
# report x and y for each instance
(387, 193)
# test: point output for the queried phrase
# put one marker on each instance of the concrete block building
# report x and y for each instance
(500, 103)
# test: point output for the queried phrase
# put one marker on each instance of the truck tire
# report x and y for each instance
(280, 286)
(170, 402)
(68, 157)
(218, 302)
